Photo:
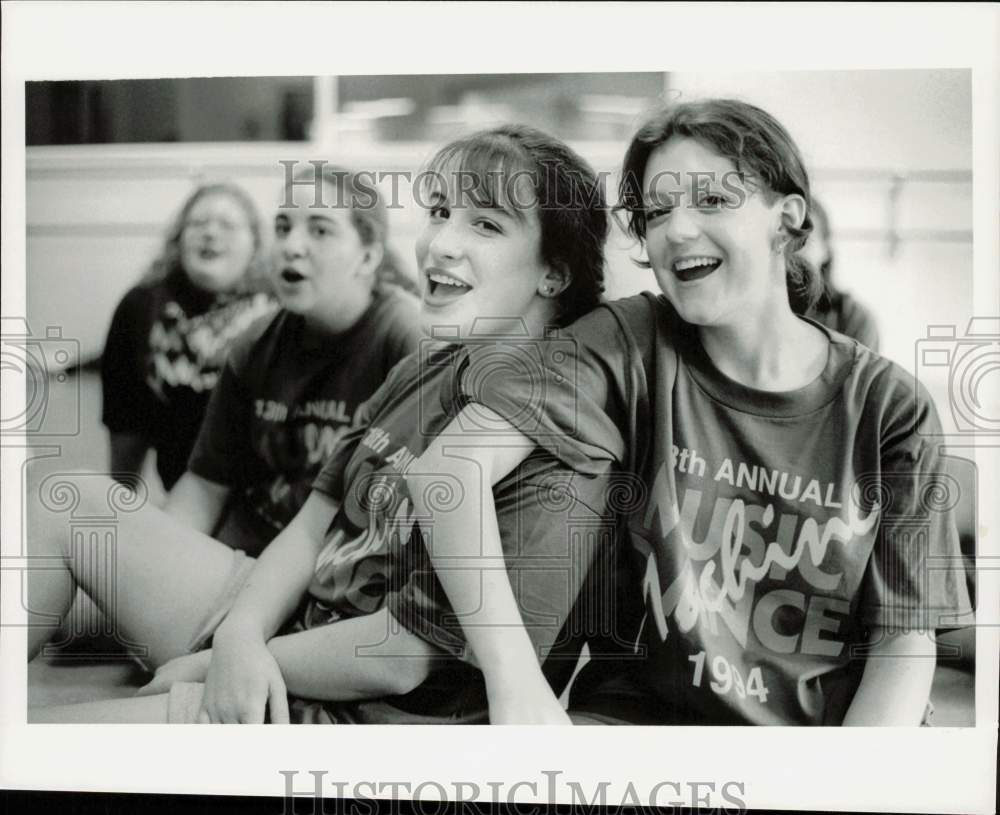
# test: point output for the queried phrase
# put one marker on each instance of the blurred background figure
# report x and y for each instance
(836, 309)
(171, 332)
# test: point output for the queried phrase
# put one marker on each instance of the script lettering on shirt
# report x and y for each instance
(717, 577)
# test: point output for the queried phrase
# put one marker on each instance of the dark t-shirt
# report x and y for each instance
(285, 398)
(775, 530)
(551, 520)
(165, 348)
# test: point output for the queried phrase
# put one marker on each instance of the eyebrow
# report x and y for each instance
(281, 216)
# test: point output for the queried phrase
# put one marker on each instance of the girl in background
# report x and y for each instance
(293, 383)
(772, 572)
(170, 333)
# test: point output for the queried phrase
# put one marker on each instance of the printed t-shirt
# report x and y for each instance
(551, 520)
(165, 348)
(286, 396)
(775, 531)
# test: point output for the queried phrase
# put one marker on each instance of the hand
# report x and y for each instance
(187, 668)
(243, 681)
(514, 704)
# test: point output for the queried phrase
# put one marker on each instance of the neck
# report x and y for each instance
(348, 312)
(769, 349)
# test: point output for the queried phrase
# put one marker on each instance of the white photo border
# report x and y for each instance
(917, 770)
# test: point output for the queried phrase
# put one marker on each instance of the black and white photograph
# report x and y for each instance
(642, 378)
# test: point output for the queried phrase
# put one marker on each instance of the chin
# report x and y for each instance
(211, 282)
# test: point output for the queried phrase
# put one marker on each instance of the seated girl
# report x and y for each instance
(310, 618)
(170, 334)
(293, 383)
(774, 569)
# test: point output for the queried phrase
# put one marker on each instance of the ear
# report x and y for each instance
(371, 259)
(555, 280)
(792, 210)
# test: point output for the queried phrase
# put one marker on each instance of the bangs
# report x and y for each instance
(486, 172)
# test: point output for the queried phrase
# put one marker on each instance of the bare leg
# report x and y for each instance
(153, 576)
(137, 710)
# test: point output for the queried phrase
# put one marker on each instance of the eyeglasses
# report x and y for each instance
(202, 224)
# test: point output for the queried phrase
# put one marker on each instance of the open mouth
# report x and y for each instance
(443, 287)
(292, 276)
(208, 253)
(694, 268)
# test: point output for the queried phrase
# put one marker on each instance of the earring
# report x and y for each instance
(780, 242)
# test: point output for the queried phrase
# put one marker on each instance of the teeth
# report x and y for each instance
(446, 280)
(691, 263)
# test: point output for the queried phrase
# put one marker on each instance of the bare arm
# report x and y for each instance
(282, 572)
(468, 559)
(197, 502)
(358, 658)
(897, 680)
(128, 454)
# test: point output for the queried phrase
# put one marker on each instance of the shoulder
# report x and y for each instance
(893, 399)
(143, 297)
(260, 339)
(628, 319)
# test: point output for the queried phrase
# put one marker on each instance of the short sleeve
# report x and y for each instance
(567, 393)
(128, 405)
(554, 530)
(916, 575)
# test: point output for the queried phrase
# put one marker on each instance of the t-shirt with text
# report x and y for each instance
(286, 397)
(551, 520)
(775, 530)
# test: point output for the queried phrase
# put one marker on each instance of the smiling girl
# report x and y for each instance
(170, 334)
(774, 574)
(342, 606)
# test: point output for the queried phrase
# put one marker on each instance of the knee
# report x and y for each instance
(55, 500)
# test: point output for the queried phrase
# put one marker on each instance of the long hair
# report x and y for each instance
(168, 265)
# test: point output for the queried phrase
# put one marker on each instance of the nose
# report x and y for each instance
(445, 242)
(682, 226)
(293, 243)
